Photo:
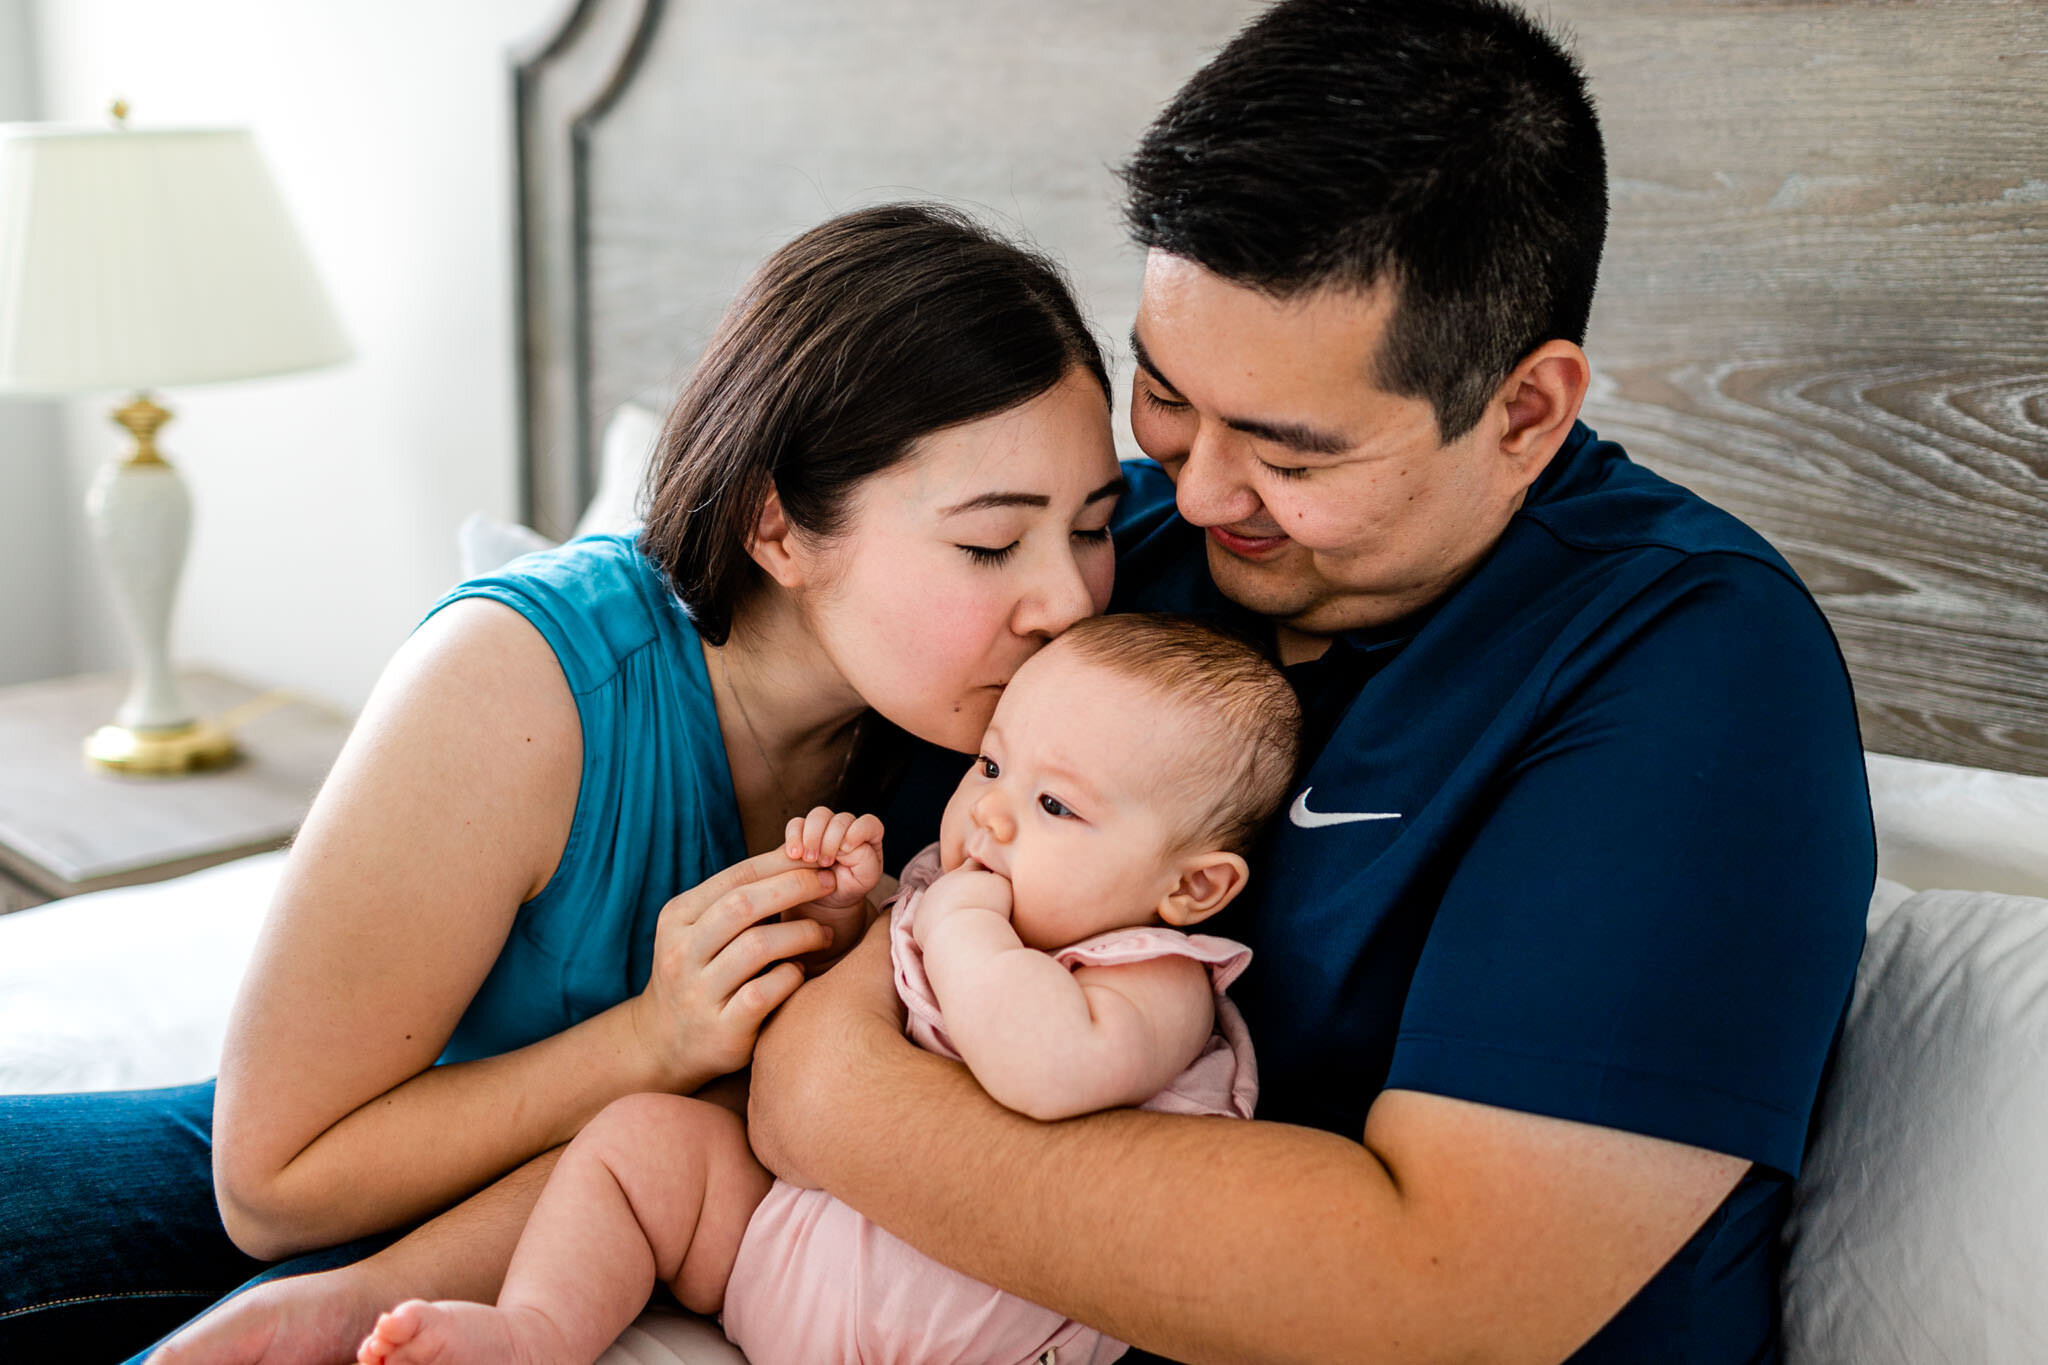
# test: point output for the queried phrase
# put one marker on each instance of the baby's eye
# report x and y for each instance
(1053, 806)
(988, 767)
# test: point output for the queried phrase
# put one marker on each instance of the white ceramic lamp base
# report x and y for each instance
(141, 518)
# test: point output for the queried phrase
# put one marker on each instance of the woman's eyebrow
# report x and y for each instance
(983, 501)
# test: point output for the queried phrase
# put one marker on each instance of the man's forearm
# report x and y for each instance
(1452, 1231)
(1203, 1239)
(1126, 1220)
(463, 1253)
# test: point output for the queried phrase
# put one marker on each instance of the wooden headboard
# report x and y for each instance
(1824, 303)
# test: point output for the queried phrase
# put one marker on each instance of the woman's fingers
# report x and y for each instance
(755, 999)
(752, 951)
(750, 904)
(694, 904)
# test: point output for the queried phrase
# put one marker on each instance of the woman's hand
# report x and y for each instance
(721, 965)
(849, 847)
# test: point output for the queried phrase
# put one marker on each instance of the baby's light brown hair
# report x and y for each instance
(1248, 732)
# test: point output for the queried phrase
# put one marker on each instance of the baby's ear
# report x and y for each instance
(1208, 882)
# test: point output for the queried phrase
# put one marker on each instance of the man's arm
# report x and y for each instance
(1453, 1231)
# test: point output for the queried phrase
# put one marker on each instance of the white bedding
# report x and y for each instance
(127, 988)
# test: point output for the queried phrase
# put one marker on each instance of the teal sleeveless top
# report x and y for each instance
(655, 814)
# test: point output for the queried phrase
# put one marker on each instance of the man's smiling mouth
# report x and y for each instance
(1245, 546)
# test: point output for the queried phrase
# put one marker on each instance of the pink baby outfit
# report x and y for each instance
(817, 1284)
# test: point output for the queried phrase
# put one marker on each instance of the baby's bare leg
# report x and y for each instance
(655, 1188)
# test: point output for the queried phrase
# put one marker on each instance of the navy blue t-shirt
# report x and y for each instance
(1620, 864)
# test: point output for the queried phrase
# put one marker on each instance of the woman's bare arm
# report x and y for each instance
(449, 807)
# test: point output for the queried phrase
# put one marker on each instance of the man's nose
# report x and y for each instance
(992, 813)
(1210, 488)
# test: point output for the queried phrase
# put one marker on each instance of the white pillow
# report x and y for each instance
(1919, 1228)
(1968, 829)
(128, 988)
(485, 543)
(629, 440)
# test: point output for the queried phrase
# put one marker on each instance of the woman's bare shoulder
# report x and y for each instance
(473, 718)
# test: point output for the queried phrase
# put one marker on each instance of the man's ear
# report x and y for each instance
(1541, 399)
(1207, 883)
(773, 544)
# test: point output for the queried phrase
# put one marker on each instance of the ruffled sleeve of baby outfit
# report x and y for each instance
(913, 987)
(1223, 1079)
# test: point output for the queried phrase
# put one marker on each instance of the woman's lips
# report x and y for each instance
(1246, 547)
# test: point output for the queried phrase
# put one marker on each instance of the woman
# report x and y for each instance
(887, 483)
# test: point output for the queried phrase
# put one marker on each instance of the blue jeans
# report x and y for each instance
(109, 1237)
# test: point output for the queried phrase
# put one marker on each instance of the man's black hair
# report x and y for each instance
(1446, 147)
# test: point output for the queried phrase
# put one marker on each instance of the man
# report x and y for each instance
(1552, 947)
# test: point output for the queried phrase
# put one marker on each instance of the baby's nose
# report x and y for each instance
(992, 813)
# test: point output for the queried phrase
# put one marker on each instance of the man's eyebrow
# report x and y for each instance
(1144, 359)
(983, 501)
(1298, 436)
(1294, 435)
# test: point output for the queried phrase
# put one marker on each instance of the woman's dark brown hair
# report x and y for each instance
(865, 333)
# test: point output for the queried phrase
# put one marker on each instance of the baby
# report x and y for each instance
(1125, 772)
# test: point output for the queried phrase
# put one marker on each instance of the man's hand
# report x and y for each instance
(813, 1043)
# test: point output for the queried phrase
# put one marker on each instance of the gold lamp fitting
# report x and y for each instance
(143, 419)
(161, 753)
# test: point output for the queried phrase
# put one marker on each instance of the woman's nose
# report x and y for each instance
(992, 813)
(1058, 597)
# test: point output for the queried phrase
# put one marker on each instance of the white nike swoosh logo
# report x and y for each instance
(1301, 815)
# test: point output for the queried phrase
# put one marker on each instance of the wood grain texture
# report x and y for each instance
(755, 119)
(1824, 305)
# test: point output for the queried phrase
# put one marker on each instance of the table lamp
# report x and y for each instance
(133, 260)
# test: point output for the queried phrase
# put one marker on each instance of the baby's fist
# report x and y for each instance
(846, 845)
(969, 886)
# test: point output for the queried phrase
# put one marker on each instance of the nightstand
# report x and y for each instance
(67, 827)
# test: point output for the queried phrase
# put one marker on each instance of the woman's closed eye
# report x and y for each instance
(991, 555)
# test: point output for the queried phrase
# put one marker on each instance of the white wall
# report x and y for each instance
(35, 620)
(325, 503)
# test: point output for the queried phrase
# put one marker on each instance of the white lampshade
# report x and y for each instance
(143, 259)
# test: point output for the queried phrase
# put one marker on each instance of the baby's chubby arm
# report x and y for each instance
(1044, 1041)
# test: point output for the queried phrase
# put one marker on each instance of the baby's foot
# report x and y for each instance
(454, 1333)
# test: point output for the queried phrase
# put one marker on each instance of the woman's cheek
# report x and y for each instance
(1099, 572)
